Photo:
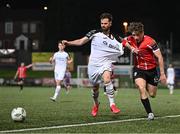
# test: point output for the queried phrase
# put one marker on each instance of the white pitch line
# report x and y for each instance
(84, 124)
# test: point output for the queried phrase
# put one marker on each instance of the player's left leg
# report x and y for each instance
(21, 84)
(110, 91)
(57, 90)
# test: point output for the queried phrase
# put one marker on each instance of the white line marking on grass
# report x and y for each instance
(85, 124)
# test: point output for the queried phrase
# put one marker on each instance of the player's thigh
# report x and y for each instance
(59, 76)
(106, 71)
(140, 83)
(94, 75)
(171, 81)
(139, 78)
(106, 76)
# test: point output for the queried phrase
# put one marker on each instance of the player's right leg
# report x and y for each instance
(95, 80)
(95, 95)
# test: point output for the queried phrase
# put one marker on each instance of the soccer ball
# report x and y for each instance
(18, 114)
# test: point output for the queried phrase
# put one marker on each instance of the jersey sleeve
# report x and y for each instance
(91, 33)
(152, 44)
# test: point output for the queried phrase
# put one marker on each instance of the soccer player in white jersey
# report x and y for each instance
(104, 49)
(170, 78)
(60, 60)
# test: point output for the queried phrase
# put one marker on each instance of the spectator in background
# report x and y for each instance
(21, 74)
(67, 80)
(170, 78)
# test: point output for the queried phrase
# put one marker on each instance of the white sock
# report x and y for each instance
(171, 89)
(58, 88)
(110, 93)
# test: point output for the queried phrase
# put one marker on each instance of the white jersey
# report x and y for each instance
(61, 58)
(170, 75)
(104, 49)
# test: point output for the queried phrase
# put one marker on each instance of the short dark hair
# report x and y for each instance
(106, 15)
(135, 27)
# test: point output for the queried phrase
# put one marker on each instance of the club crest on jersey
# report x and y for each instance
(135, 73)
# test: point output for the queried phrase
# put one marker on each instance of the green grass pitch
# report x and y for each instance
(75, 107)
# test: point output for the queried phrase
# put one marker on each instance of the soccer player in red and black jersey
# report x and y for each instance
(147, 57)
(21, 73)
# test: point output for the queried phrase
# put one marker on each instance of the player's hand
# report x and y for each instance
(51, 59)
(64, 42)
(134, 50)
(163, 79)
(14, 78)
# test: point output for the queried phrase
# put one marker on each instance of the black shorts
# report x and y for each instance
(151, 76)
(21, 79)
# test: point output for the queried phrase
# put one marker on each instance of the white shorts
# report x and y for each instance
(95, 72)
(59, 75)
(170, 80)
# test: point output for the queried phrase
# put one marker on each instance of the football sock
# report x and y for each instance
(104, 88)
(21, 87)
(146, 105)
(58, 88)
(168, 86)
(171, 89)
(114, 88)
(110, 93)
(95, 95)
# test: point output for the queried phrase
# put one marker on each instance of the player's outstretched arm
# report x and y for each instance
(30, 65)
(77, 42)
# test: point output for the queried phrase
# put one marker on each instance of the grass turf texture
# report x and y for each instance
(75, 107)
